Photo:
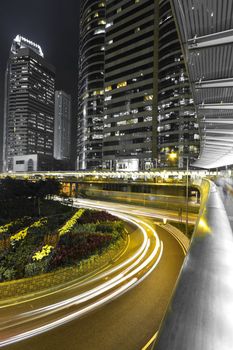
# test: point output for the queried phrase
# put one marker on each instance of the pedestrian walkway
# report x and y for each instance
(200, 313)
(226, 195)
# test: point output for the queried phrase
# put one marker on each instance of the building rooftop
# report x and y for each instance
(20, 43)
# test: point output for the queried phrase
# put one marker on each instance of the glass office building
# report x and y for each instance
(91, 85)
(144, 101)
(29, 108)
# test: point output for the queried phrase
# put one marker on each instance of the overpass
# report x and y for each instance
(200, 312)
(199, 316)
(206, 34)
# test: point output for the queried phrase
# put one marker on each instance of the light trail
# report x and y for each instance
(132, 283)
(134, 210)
(111, 283)
(129, 277)
(83, 297)
(68, 318)
(110, 271)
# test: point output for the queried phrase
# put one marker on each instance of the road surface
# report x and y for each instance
(121, 317)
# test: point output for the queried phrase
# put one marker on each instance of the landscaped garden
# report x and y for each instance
(32, 247)
(39, 235)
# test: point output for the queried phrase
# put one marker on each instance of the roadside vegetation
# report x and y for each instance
(47, 235)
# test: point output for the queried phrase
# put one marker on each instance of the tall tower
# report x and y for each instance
(62, 126)
(130, 85)
(177, 120)
(91, 85)
(29, 108)
(144, 109)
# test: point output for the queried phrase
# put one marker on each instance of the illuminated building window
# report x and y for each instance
(148, 98)
(108, 88)
(98, 92)
(102, 22)
(101, 4)
(99, 31)
(108, 98)
(108, 25)
(96, 15)
(121, 84)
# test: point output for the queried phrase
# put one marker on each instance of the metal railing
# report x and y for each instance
(199, 316)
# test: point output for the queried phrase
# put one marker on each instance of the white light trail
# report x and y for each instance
(129, 277)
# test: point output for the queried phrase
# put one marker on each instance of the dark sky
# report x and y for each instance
(53, 24)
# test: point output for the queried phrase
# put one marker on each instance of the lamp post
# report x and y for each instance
(173, 156)
(187, 193)
(156, 167)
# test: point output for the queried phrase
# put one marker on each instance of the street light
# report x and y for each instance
(173, 156)
(187, 192)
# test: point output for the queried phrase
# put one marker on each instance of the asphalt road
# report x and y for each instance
(126, 323)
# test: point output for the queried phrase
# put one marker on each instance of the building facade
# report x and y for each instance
(29, 108)
(130, 85)
(146, 110)
(177, 125)
(91, 85)
(62, 126)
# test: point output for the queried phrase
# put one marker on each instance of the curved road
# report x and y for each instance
(126, 322)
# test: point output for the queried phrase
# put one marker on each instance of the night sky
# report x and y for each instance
(53, 24)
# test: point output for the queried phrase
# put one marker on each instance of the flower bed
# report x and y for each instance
(14, 226)
(85, 234)
(78, 247)
(70, 223)
(94, 216)
(15, 260)
(23, 233)
(45, 251)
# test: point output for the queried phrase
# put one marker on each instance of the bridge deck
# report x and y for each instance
(200, 314)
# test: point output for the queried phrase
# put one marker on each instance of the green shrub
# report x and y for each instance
(2, 270)
(84, 229)
(36, 268)
(9, 274)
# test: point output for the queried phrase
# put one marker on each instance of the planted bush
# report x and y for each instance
(94, 216)
(74, 248)
(14, 226)
(80, 235)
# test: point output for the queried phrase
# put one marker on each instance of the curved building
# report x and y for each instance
(91, 84)
(135, 102)
(130, 85)
(177, 121)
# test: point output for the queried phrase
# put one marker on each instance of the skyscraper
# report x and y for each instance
(177, 120)
(29, 108)
(62, 126)
(91, 85)
(147, 111)
(130, 85)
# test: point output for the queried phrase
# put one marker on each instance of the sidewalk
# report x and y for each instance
(227, 200)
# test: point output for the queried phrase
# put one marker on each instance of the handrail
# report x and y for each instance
(199, 316)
